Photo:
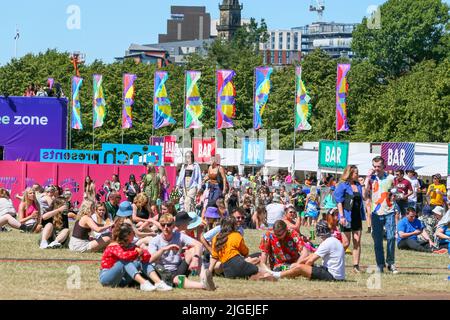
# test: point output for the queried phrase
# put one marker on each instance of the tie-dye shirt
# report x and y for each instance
(380, 187)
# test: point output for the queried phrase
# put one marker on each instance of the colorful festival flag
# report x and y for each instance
(99, 109)
(341, 98)
(226, 99)
(194, 103)
(262, 91)
(302, 105)
(162, 111)
(50, 83)
(128, 100)
(76, 106)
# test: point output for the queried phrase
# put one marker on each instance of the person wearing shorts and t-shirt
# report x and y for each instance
(436, 192)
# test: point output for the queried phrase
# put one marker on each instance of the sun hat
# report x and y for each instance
(212, 213)
(195, 222)
(125, 210)
(182, 218)
(439, 211)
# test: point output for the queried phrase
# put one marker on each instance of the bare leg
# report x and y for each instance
(188, 284)
(346, 239)
(47, 232)
(8, 219)
(62, 236)
(298, 270)
(99, 244)
(356, 247)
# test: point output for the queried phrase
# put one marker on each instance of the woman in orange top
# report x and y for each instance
(230, 249)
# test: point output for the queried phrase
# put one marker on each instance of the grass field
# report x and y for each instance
(422, 276)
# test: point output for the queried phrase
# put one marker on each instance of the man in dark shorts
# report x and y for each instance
(330, 250)
(173, 263)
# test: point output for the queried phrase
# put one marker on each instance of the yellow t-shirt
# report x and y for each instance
(235, 245)
(437, 199)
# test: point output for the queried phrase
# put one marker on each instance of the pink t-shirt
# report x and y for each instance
(31, 209)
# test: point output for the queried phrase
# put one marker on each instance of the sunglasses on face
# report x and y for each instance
(169, 225)
(239, 218)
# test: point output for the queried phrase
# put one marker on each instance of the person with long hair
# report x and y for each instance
(152, 184)
(80, 240)
(89, 189)
(101, 217)
(350, 203)
(259, 218)
(122, 263)
(7, 210)
(115, 183)
(55, 225)
(230, 249)
(165, 185)
(189, 181)
(30, 212)
(217, 181)
(312, 207)
(131, 188)
(143, 214)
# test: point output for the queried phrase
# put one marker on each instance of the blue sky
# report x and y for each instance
(109, 27)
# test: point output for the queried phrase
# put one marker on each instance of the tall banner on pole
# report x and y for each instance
(76, 106)
(226, 99)
(194, 103)
(341, 98)
(128, 100)
(302, 105)
(162, 111)
(262, 91)
(99, 111)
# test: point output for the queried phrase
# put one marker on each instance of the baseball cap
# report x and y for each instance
(125, 210)
(322, 229)
(437, 176)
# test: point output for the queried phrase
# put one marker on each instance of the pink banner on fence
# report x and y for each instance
(99, 174)
(41, 173)
(72, 176)
(124, 175)
(12, 178)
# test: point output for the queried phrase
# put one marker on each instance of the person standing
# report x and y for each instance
(131, 188)
(189, 181)
(436, 192)
(404, 191)
(378, 185)
(350, 203)
(415, 185)
(89, 189)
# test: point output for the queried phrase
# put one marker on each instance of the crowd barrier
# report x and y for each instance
(17, 176)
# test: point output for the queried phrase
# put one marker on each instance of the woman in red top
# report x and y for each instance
(122, 262)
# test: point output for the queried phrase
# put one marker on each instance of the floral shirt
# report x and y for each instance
(280, 252)
(115, 253)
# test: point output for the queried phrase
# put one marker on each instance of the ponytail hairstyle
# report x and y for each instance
(121, 232)
(228, 226)
(57, 219)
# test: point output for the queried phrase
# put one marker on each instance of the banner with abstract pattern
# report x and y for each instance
(128, 100)
(262, 91)
(302, 105)
(226, 99)
(194, 103)
(162, 111)
(76, 106)
(341, 98)
(99, 110)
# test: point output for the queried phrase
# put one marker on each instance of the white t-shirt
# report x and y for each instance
(333, 255)
(7, 207)
(275, 211)
(414, 184)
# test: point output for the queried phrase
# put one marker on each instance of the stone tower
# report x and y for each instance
(230, 18)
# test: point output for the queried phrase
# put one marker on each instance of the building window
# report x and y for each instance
(280, 59)
(273, 45)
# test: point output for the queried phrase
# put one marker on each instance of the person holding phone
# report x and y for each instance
(436, 192)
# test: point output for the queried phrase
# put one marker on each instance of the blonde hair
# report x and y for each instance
(348, 172)
(167, 218)
(141, 200)
(26, 202)
(86, 208)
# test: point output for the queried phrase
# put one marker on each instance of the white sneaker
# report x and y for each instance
(54, 245)
(147, 286)
(207, 280)
(162, 286)
(44, 245)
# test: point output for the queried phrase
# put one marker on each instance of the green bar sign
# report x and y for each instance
(333, 154)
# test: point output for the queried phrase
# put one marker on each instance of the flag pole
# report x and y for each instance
(215, 111)
(123, 103)
(295, 129)
(16, 38)
(71, 116)
(184, 110)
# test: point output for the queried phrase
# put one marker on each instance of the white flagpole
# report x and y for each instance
(16, 38)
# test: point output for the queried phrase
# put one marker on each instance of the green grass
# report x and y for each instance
(423, 276)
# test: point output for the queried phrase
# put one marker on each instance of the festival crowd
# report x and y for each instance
(157, 240)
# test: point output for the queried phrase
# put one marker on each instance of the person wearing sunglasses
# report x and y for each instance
(174, 264)
(292, 219)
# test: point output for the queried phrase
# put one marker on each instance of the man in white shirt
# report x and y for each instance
(275, 210)
(411, 177)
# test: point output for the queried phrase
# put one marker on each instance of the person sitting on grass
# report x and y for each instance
(291, 218)
(443, 232)
(283, 248)
(259, 218)
(330, 250)
(56, 225)
(122, 263)
(167, 249)
(408, 229)
(230, 249)
(430, 221)
(102, 217)
(29, 213)
(80, 240)
(7, 211)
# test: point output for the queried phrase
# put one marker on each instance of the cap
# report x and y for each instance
(322, 229)
(212, 213)
(437, 176)
(125, 210)
(438, 210)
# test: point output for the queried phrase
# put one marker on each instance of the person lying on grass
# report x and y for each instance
(176, 255)
(55, 224)
(230, 249)
(330, 250)
(80, 240)
(122, 263)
